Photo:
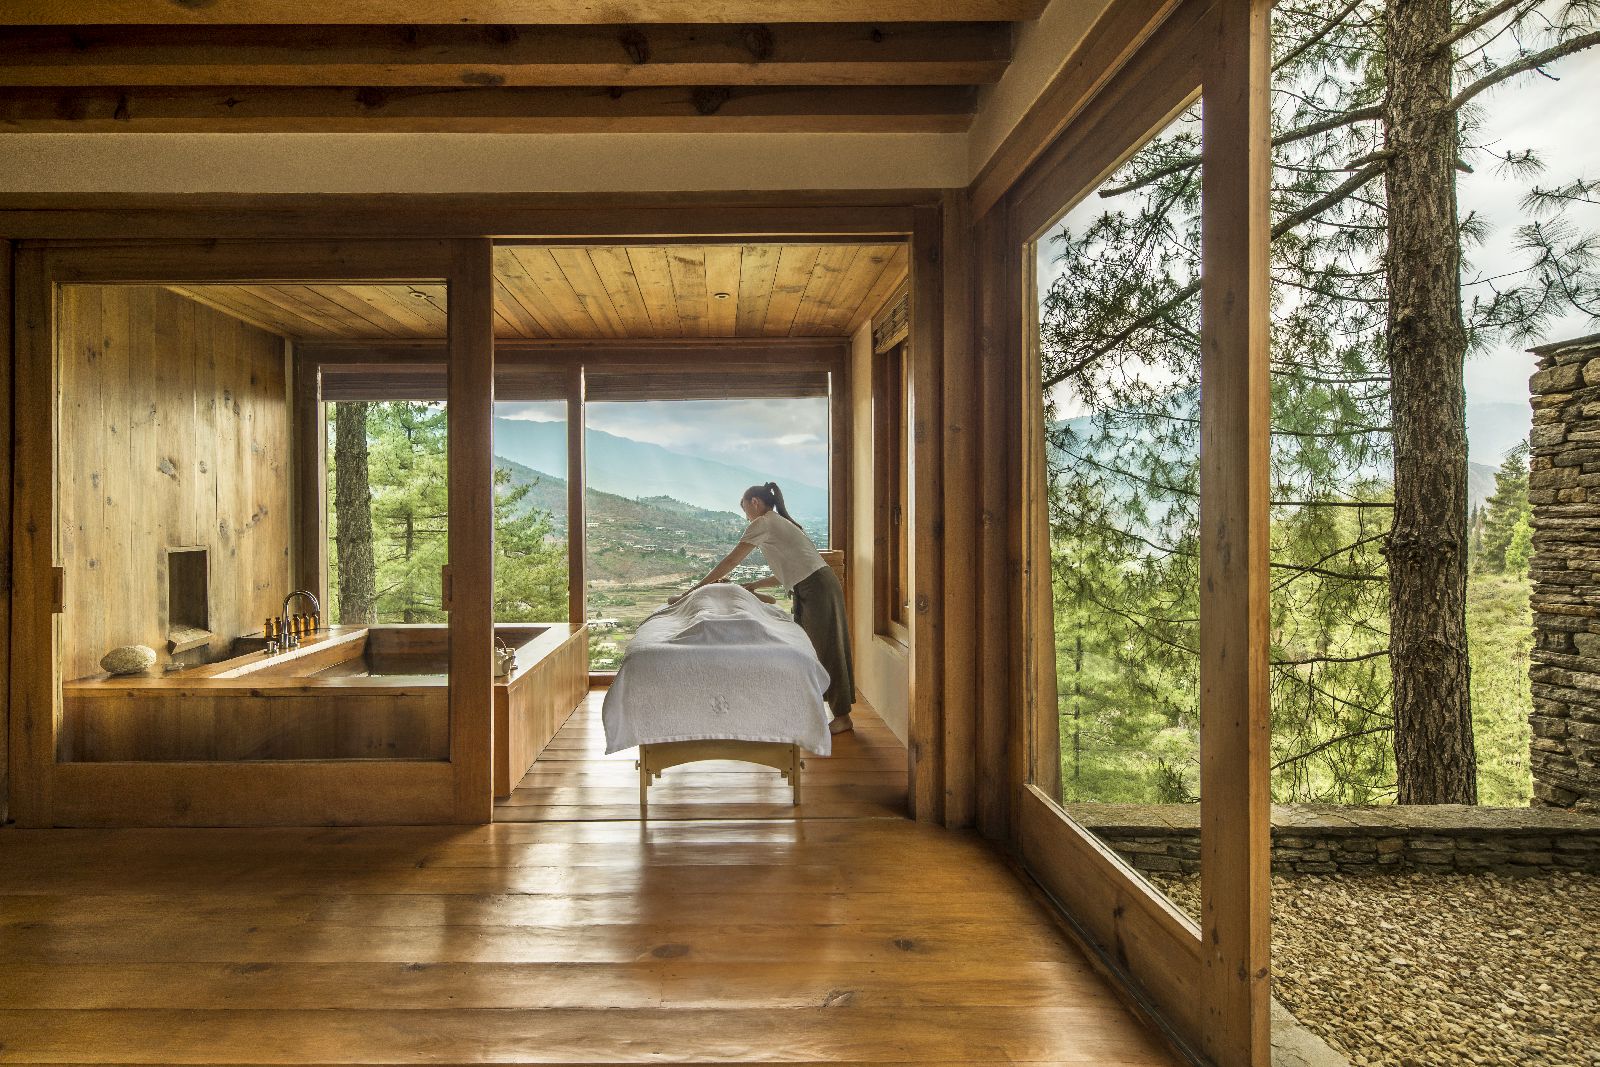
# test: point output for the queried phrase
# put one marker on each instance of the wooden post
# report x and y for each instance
(1235, 813)
(960, 441)
(577, 527)
(35, 687)
(994, 358)
(5, 527)
(309, 434)
(925, 763)
(471, 451)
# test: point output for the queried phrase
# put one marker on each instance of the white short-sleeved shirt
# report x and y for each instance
(787, 549)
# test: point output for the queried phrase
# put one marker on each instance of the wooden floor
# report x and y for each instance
(865, 777)
(751, 939)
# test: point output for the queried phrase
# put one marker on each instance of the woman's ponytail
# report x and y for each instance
(772, 497)
(777, 496)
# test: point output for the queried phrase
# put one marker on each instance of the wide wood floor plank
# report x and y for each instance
(732, 928)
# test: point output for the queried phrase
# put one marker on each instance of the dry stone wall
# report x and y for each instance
(1312, 839)
(1564, 490)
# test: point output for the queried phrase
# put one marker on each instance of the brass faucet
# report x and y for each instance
(290, 638)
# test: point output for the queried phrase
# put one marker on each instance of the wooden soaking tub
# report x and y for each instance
(378, 692)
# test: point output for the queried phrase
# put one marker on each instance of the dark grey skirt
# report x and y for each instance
(819, 609)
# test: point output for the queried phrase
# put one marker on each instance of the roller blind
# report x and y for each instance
(725, 382)
(426, 381)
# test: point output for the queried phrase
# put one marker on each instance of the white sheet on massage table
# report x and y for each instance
(719, 664)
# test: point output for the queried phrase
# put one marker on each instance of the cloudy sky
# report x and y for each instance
(1557, 120)
(788, 438)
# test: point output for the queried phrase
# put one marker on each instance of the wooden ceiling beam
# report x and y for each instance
(503, 12)
(766, 109)
(948, 53)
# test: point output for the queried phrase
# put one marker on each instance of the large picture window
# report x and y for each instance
(387, 530)
(664, 481)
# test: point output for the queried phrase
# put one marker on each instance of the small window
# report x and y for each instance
(188, 599)
(891, 533)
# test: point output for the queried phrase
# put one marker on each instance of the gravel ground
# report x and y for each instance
(1418, 970)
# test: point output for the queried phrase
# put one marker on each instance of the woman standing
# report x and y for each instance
(818, 597)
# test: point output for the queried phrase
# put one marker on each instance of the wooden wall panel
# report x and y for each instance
(174, 433)
(529, 711)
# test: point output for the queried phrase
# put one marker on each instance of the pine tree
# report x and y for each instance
(352, 517)
(1374, 309)
(1506, 511)
(407, 519)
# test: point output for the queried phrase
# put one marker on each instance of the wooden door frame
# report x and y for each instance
(46, 792)
(1208, 981)
(915, 216)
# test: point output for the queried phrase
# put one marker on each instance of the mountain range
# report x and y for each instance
(637, 469)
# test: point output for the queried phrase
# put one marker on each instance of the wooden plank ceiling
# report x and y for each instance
(500, 65)
(613, 291)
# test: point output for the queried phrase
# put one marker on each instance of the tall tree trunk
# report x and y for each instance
(353, 503)
(410, 614)
(1427, 547)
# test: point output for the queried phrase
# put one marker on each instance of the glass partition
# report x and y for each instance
(183, 635)
(1118, 317)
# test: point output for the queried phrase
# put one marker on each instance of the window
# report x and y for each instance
(663, 483)
(890, 471)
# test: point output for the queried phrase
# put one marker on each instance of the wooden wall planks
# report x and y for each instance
(174, 433)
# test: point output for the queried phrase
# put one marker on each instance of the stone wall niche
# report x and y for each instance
(1564, 489)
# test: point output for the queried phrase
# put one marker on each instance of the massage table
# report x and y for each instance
(720, 675)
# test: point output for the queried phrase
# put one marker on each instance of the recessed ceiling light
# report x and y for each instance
(721, 296)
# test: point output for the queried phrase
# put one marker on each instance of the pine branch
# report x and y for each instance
(1314, 749)
(1330, 659)
(1149, 318)
(1467, 29)
(1523, 65)
(1333, 503)
(1339, 192)
(1311, 129)
(1316, 38)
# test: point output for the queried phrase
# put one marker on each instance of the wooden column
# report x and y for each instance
(994, 358)
(5, 527)
(35, 686)
(925, 765)
(309, 435)
(577, 526)
(960, 590)
(1235, 400)
(471, 450)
